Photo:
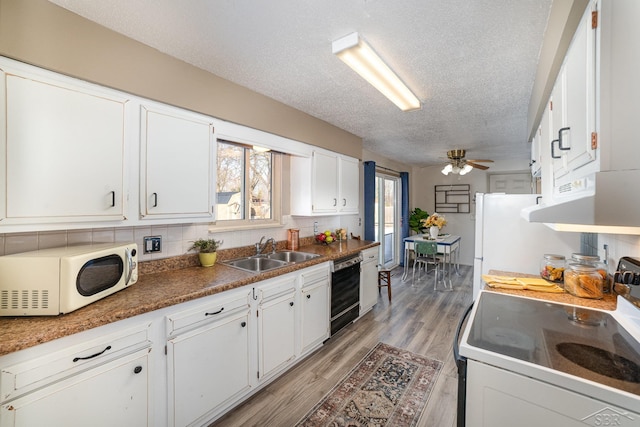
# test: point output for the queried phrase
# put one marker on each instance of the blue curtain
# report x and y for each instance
(404, 212)
(369, 200)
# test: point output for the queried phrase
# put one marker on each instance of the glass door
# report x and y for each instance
(387, 218)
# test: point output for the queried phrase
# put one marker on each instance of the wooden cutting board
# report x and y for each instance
(526, 283)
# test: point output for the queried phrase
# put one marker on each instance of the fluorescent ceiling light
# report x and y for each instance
(363, 60)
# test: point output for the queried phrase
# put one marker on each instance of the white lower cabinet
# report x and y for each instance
(208, 359)
(276, 325)
(368, 279)
(184, 365)
(315, 309)
(102, 382)
(113, 394)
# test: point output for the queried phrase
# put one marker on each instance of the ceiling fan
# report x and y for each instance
(461, 166)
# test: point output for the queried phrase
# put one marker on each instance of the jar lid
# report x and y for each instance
(585, 257)
(582, 268)
(553, 256)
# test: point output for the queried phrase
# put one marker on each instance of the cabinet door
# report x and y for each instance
(113, 394)
(176, 160)
(207, 367)
(579, 104)
(276, 333)
(369, 280)
(64, 152)
(324, 182)
(315, 313)
(349, 185)
(558, 121)
(574, 105)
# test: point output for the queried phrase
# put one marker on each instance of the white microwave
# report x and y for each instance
(60, 280)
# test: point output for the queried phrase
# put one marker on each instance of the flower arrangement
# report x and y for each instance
(435, 219)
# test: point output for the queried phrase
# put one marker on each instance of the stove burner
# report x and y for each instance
(600, 361)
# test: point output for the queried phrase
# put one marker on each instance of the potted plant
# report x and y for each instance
(206, 250)
(415, 220)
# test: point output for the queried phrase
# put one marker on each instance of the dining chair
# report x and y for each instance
(426, 254)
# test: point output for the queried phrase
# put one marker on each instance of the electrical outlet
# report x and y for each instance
(152, 244)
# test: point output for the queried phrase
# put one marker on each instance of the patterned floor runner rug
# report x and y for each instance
(388, 387)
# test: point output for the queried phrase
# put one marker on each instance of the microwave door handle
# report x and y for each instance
(130, 263)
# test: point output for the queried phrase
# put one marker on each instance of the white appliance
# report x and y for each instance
(506, 241)
(534, 363)
(61, 280)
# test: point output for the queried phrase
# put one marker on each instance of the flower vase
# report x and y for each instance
(207, 259)
(433, 232)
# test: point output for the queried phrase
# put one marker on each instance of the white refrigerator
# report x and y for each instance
(506, 241)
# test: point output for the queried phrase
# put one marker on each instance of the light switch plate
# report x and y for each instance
(152, 244)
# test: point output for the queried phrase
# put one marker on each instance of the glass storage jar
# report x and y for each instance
(552, 267)
(583, 281)
(593, 260)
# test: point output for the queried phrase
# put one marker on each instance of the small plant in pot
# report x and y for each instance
(206, 250)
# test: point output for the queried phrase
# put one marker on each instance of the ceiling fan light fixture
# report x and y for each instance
(358, 55)
(466, 169)
(447, 169)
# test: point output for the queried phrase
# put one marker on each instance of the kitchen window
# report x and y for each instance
(247, 185)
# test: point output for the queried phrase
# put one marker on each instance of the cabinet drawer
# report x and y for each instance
(369, 255)
(213, 309)
(22, 377)
(276, 288)
(315, 275)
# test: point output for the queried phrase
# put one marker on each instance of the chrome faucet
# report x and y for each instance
(261, 247)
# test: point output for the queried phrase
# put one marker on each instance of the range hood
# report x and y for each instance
(613, 204)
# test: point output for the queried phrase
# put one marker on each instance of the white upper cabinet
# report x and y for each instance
(574, 134)
(65, 150)
(325, 183)
(176, 157)
(349, 185)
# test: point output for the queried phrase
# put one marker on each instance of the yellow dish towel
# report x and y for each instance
(525, 283)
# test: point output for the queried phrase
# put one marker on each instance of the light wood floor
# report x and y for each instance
(418, 319)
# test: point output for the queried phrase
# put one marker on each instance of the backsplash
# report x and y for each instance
(176, 238)
(618, 245)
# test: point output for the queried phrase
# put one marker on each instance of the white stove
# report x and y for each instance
(529, 362)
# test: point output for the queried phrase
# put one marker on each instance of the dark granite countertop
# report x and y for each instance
(154, 291)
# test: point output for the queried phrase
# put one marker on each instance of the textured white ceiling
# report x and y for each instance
(471, 62)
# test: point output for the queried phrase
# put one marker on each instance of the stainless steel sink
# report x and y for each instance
(292, 256)
(256, 264)
(261, 263)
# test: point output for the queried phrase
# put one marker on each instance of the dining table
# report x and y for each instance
(448, 246)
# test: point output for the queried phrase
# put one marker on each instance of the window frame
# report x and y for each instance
(276, 194)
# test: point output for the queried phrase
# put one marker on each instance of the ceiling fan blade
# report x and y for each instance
(481, 167)
(480, 160)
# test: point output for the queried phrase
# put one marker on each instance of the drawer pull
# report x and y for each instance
(75, 359)
(308, 296)
(243, 324)
(137, 369)
(215, 312)
(291, 303)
